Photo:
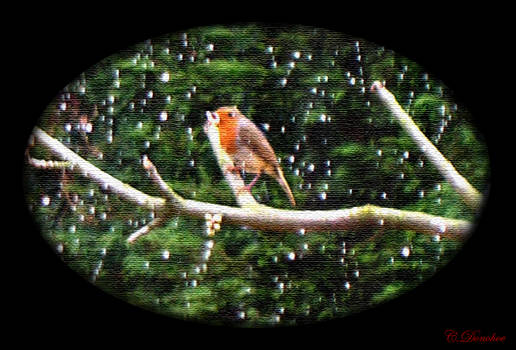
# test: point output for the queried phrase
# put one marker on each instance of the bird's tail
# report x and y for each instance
(284, 184)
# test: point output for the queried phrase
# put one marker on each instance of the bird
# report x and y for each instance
(248, 147)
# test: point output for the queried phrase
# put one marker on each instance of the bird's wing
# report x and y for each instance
(250, 136)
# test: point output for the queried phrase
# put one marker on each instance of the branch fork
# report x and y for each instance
(250, 213)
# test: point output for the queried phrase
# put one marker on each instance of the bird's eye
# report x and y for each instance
(232, 114)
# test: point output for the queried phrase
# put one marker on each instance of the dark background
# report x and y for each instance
(53, 305)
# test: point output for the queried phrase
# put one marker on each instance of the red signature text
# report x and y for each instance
(472, 336)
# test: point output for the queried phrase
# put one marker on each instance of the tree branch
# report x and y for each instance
(88, 170)
(255, 216)
(468, 193)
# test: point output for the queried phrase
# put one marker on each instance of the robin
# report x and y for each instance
(248, 147)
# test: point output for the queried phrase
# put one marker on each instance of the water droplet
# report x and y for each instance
(405, 251)
(165, 255)
(45, 200)
(301, 232)
(165, 77)
(347, 285)
(291, 256)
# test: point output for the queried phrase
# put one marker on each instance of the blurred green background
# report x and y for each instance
(308, 90)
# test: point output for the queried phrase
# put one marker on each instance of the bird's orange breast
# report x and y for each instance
(228, 129)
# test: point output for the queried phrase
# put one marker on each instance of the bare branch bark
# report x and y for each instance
(469, 194)
(254, 215)
(88, 170)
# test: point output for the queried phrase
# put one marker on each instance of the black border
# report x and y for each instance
(53, 303)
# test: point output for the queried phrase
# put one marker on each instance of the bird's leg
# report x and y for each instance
(251, 184)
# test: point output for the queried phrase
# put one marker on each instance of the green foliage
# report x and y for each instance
(307, 88)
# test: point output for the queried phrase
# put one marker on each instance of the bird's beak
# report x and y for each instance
(212, 117)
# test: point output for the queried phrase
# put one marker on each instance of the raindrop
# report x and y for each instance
(163, 116)
(405, 251)
(165, 77)
(165, 255)
(45, 200)
(291, 256)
